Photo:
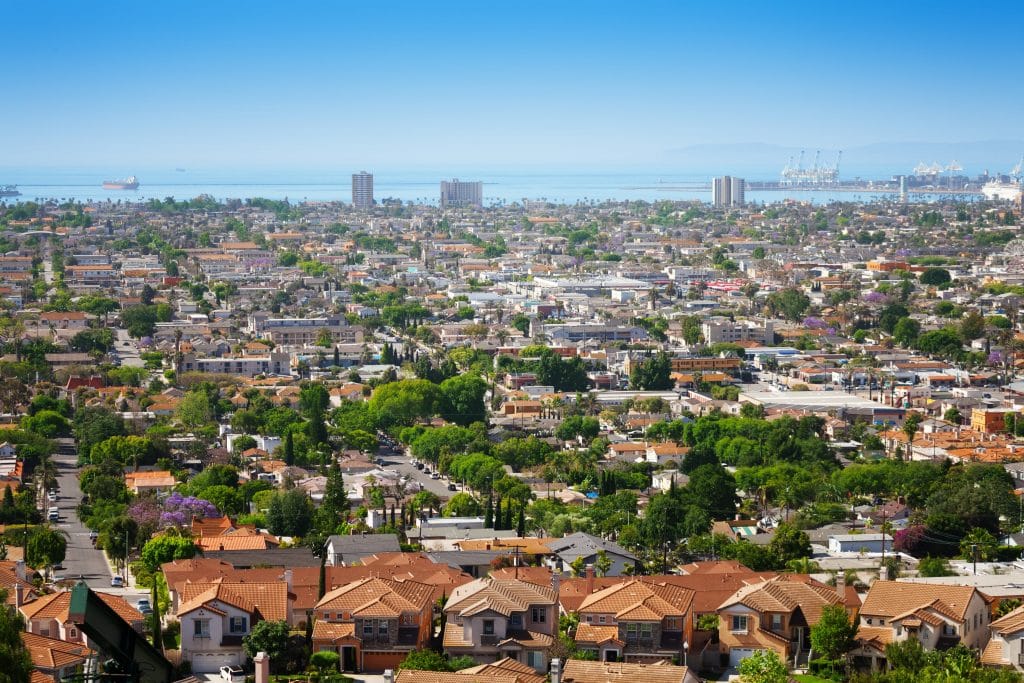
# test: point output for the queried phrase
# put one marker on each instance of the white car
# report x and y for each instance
(232, 674)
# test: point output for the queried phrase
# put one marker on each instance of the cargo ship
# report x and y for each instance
(129, 183)
(9, 191)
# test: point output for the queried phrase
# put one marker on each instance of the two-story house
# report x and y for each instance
(937, 615)
(775, 615)
(58, 660)
(48, 616)
(1006, 641)
(489, 619)
(374, 623)
(636, 622)
(215, 617)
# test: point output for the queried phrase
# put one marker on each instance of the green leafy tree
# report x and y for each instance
(425, 660)
(790, 543)
(835, 634)
(46, 547)
(462, 504)
(652, 374)
(290, 514)
(404, 402)
(462, 399)
(979, 543)
(195, 411)
(935, 277)
(764, 666)
(15, 659)
(325, 661)
(162, 549)
(270, 637)
(906, 331)
(789, 303)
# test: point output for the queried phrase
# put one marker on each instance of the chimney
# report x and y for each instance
(19, 594)
(389, 676)
(589, 573)
(885, 572)
(556, 580)
(288, 578)
(19, 569)
(841, 585)
(556, 670)
(262, 662)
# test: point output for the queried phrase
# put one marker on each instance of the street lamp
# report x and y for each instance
(686, 652)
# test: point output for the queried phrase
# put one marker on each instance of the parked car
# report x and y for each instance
(232, 674)
(53, 515)
(420, 466)
(144, 606)
(435, 475)
(117, 582)
(453, 487)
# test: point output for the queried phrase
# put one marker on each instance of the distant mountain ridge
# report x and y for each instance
(874, 160)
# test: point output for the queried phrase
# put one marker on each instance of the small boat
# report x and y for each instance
(9, 191)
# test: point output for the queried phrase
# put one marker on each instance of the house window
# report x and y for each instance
(601, 619)
(881, 622)
(948, 630)
(631, 631)
(776, 622)
(590, 618)
(368, 628)
(539, 615)
(739, 622)
(238, 625)
(201, 628)
(869, 621)
(488, 627)
(516, 620)
(534, 659)
(646, 630)
(382, 628)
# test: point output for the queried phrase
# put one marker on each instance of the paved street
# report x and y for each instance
(127, 350)
(401, 464)
(82, 560)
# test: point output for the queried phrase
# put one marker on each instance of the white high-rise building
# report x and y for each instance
(728, 191)
(456, 193)
(362, 190)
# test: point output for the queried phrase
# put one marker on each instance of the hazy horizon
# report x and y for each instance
(406, 84)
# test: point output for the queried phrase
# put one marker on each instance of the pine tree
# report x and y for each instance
(489, 516)
(337, 358)
(289, 449)
(521, 523)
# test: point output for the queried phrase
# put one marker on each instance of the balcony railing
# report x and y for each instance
(489, 641)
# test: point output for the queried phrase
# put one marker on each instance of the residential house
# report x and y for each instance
(374, 623)
(342, 550)
(636, 621)
(1006, 641)
(49, 616)
(489, 619)
(937, 615)
(774, 615)
(581, 671)
(158, 481)
(591, 549)
(214, 621)
(58, 660)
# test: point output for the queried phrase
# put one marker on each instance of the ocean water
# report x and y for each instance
(420, 186)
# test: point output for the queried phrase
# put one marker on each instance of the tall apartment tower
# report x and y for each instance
(456, 193)
(728, 191)
(362, 190)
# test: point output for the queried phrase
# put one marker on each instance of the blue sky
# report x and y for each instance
(376, 83)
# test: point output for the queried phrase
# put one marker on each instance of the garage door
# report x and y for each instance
(377, 662)
(739, 653)
(211, 663)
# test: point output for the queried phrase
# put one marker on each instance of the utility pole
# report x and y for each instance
(974, 554)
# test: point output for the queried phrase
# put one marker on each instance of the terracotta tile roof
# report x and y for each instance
(782, 595)
(540, 576)
(639, 601)
(413, 676)
(51, 653)
(591, 633)
(331, 631)
(56, 606)
(892, 598)
(236, 541)
(993, 654)
(506, 667)
(503, 597)
(378, 597)
(1011, 622)
(453, 636)
(530, 546)
(580, 671)
(268, 600)
(876, 637)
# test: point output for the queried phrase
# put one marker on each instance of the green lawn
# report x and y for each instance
(810, 678)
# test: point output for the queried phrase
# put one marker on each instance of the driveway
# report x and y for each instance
(127, 349)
